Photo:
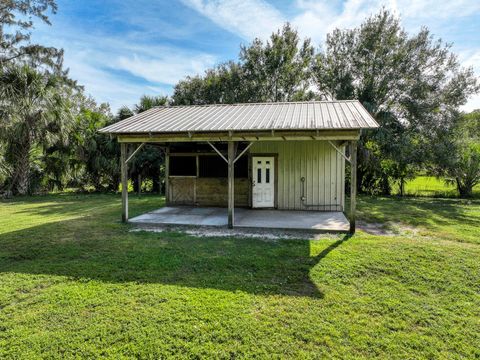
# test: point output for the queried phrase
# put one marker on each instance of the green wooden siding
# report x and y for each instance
(318, 162)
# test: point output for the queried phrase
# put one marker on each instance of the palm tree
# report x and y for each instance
(147, 163)
(34, 112)
(147, 102)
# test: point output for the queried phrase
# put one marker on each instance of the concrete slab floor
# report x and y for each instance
(246, 218)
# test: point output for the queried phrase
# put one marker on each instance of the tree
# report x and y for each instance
(98, 153)
(147, 102)
(34, 113)
(147, 163)
(458, 153)
(221, 85)
(16, 23)
(276, 70)
(410, 84)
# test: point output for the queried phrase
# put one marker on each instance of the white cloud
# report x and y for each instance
(103, 86)
(472, 104)
(438, 9)
(95, 64)
(167, 70)
(316, 18)
(246, 18)
(471, 58)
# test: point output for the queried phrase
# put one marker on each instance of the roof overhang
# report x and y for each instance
(273, 135)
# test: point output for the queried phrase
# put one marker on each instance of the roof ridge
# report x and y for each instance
(258, 103)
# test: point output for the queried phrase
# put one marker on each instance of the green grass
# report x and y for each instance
(75, 283)
(431, 186)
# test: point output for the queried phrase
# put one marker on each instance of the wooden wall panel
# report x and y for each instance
(206, 191)
(214, 192)
(181, 191)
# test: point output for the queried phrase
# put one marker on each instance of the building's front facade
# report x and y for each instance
(285, 175)
(285, 156)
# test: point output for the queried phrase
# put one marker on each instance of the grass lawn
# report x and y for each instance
(76, 283)
(431, 186)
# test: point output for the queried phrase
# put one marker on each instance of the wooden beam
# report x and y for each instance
(135, 152)
(243, 152)
(353, 184)
(218, 151)
(231, 179)
(339, 151)
(243, 136)
(124, 171)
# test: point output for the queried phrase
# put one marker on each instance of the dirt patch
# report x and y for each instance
(262, 234)
(372, 228)
(388, 228)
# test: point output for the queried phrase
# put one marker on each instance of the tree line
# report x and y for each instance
(412, 84)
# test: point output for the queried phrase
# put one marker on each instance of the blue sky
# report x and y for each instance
(122, 49)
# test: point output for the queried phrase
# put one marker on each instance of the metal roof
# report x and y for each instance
(308, 115)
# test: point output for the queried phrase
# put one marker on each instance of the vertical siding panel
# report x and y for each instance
(303, 162)
(281, 176)
(298, 172)
(334, 177)
(324, 173)
(319, 172)
(333, 173)
(313, 172)
(337, 178)
(313, 154)
(287, 175)
(291, 176)
(342, 189)
(316, 161)
(313, 181)
(336, 155)
(309, 175)
(291, 160)
(330, 175)
(297, 163)
(303, 172)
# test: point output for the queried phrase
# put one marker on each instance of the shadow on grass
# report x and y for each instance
(80, 204)
(98, 248)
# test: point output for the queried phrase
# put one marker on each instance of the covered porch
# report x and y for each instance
(266, 165)
(321, 221)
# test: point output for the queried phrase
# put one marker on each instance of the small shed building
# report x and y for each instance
(278, 156)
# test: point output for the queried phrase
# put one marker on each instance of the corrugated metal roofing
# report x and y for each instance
(310, 115)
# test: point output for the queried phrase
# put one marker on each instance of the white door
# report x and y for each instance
(263, 189)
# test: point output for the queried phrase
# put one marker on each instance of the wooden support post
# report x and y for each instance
(231, 179)
(124, 170)
(353, 184)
